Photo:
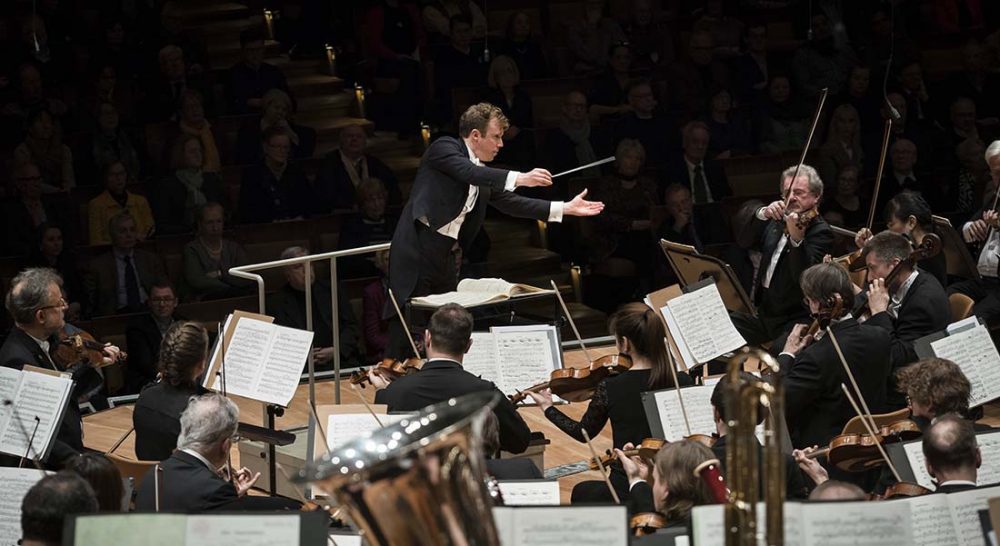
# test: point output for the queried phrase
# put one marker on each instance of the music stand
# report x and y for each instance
(956, 253)
(692, 267)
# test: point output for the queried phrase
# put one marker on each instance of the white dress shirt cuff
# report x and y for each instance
(966, 234)
(556, 211)
(632, 483)
(760, 214)
(511, 182)
(787, 353)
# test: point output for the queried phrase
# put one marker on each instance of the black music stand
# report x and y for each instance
(956, 253)
(692, 267)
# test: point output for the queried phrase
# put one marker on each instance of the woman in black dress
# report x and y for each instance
(157, 415)
(639, 334)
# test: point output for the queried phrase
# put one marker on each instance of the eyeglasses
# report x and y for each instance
(58, 305)
(162, 300)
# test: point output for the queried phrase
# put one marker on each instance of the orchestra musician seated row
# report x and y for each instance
(669, 486)
(985, 291)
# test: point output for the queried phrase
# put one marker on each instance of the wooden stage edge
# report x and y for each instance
(101, 430)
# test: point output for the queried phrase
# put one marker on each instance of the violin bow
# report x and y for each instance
(367, 405)
(600, 466)
(850, 376)
(409, 335)
(572, 324)
(120, 441)
(871, 431)
(878, 175)
(812, 131)
(673, 372)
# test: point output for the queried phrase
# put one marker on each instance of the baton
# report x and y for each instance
(587, 166)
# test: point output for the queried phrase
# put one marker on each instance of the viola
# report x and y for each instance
(82, 348)
(646, 523)
(822, 320)
(389, 369)
(578, 384)
(928, 248)
(900, 490)
(857, 451)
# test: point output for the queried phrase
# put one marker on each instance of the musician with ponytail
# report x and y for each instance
(639, 333)
(182, 360)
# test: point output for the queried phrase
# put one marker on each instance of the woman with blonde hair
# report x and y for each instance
(276, 110)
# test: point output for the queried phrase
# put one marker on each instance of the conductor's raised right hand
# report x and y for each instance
(534, 178)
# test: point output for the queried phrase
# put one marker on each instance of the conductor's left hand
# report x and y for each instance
(534, 178)
(581, 207)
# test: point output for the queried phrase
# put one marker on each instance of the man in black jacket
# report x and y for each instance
(952, 454)
(35, 303)
(448, 204)
(447, 339)
(191, 480)
(812, 372)
(788, 248)
(144, 333)
(913, 305)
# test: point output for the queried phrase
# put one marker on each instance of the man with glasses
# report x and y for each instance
(144, 334)
(36, 305)
(119, 281)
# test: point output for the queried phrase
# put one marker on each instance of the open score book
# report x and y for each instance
(473, 292)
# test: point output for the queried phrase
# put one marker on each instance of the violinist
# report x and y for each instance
(914, 306)
(795, 487)
(952, 454)
(447, 338)
(983, 230)
(834, 490)
(815, 407)
(157, 415)
(639, 334)
(933, 387)
(790, 243)
(669, 486)
(909, 214)
(37, 307)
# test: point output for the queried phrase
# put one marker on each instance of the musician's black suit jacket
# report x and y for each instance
(795, 484)
(157, 419)
(438, 195)
(20, 349)
(783, 298)
(954, 488)
(815, 407)
(513, 469)
(439, 380)
(924, 310)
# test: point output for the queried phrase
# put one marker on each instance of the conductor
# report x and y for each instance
(448, 204)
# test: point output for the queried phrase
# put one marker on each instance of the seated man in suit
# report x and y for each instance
(815, 406)
(119, 281)
(192, 479)
(47, 504)
(447, 338)
(344, 170)
(288, 306)
(933, 387)
(788, 248)
(951, 453)
(703, 176)
(911, 307)
(144, 334)
(36, 304)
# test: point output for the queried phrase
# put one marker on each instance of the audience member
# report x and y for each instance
(692, 76)
(191, 122)
(782, 122)
(276, 111)
(591, 35)
(118, 49)
(609, 97)
(29, 97)
(288, 305)
(574, 144)
(345, 169)
(43, 146)
(910, 82)
(520, 43)
(275, 189)
(194, 482)
(901, 175)
(962, 122)
(396, 39)
(437, 18)
(977, 81)
(111, 142)
(744, 255)
(172, 30)
(751, 69)
(29, 209)
(114, 200)
(857, 93)
(649, 37)
(457, 64)
(822, 62)
(144, 333)
(164, 91)
(373, 301)
(51, 251)
(729, 130)
(182, 357)
(678, 226)
(208, 258)
(518, 145)
(726, 30)
(104, 478)
(972, 179)
(35, 47)
(842, 146)
(846, 208)
(177, 197)
(703, 176)
(103, 87)
(120, 280)
(644, 123)
(250, 78)
(369, 227)
(48, 503)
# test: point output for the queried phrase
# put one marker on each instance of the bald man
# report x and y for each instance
(952, 454)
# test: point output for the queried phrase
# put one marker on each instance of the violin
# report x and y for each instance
(578, 384)
(81, 347)
(928, 248)
(646, 523)
(856, 451)
(389, 369)
(647, 450)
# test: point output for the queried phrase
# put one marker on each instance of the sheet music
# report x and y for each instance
(264, 361)
(932, 520)
(529, 492)
(157, 529)
(856, 524)
(242, 356)
(685, 355)
(242, 530)
(9, 381)
(562, 525)
(490, 285)
(341, 428)
(345, 540)
(965, 507)
(481, 360)
(989, 472)
(708, 524)
(975, 354)
(697, 402)
(524, 357)
(38, 395)
(16, 483)
(704, 323)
